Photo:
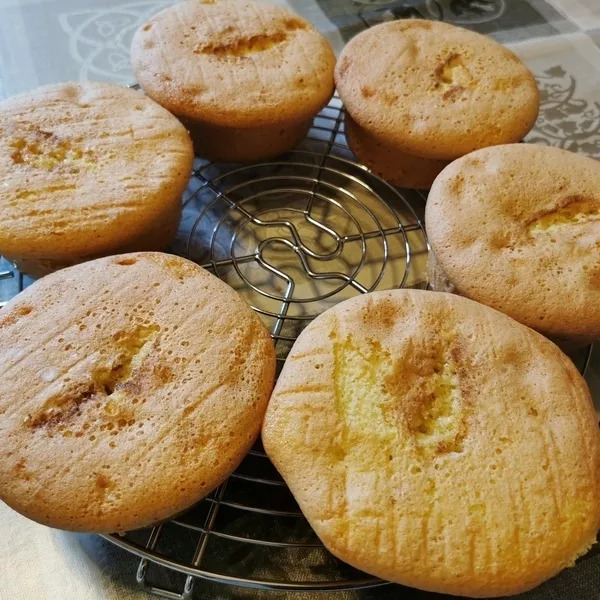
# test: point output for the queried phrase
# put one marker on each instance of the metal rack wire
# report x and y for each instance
(293, 236)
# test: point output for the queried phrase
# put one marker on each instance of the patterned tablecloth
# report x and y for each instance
(44, 41)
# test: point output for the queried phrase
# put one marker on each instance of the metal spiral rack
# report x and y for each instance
(293, 236)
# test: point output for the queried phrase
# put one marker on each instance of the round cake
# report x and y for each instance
(247, 78)
(433, 91)
(88, 169)
(435, 442)
(130, 387)
(517, 227)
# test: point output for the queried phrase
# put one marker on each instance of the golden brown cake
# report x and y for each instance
(433, 91)
(517, 227)
(247, 78)
(391, 164)
(130, 387)
(88, 169)
(435, 442)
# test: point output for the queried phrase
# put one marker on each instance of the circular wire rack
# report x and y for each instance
(294, 236)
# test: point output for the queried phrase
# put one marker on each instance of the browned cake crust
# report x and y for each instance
(517, 227)
(435, 90)
(130, 387)
(88, 169)
(438, 443)
(235, 68)
(391, 164)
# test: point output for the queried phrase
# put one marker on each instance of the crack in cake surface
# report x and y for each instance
(378, 393)
(106, 384)
(44, 150)
(452, 77)
(242, 46)
(573, 210)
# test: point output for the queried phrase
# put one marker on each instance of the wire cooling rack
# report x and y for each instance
(293, 236)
